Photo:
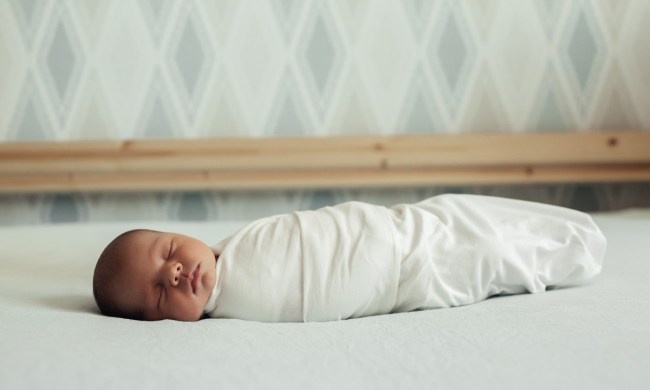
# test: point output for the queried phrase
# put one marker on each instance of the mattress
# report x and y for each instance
(595, 336)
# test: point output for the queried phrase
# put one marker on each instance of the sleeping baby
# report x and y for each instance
(351, 260)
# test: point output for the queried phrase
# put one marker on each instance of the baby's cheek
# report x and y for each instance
(184, 309)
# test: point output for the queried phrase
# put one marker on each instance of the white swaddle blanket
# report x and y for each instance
(357, 259)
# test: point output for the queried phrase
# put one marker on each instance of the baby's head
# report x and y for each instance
(150, 275)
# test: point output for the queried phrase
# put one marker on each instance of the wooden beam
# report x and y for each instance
(328, 162)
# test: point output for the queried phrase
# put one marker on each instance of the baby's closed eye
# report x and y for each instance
(171, 247)
(160, 294)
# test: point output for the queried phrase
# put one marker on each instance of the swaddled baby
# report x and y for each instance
(351, 260)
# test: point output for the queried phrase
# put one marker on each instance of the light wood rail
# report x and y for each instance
(327, 162)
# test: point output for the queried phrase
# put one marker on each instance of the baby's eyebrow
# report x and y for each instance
(163, 242)
(153, 248)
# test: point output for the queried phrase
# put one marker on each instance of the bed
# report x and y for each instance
(52, 336)
(595, 336)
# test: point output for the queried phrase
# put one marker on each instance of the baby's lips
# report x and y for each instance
(194, 277)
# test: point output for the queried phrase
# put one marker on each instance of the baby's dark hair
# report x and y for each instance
(106, 271)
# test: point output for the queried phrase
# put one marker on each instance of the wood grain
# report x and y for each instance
(329, 162)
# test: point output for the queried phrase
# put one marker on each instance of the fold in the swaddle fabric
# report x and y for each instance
(357, 259)
(460, 249)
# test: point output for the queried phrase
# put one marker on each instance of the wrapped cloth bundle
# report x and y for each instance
(356, 259)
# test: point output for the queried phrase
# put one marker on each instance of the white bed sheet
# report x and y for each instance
(51, 335)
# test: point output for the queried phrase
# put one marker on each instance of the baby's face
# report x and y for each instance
(166, 276)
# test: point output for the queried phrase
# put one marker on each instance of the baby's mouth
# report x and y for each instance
(194, 278)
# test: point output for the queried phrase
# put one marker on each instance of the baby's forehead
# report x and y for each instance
(137, 247)
(135, 262)
(143, 238)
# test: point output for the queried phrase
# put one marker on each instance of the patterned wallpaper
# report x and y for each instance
(110, 69)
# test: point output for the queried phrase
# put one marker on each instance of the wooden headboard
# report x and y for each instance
(329, 162)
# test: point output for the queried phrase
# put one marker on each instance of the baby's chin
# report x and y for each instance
(186, 317)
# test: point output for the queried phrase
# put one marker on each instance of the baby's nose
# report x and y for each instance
(175, 273)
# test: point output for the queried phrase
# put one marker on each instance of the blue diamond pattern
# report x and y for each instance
(452, 52)
(61, 60)
(419, 114)
(191, 60)
(189, 57)
(193, 206)
(582, 50)
(287, 14)
(62, 63)
(65, 209)
(30, 122)
(583, 54)
(322, 57)
(419, 13)
(548, 13)
(29, 14)
(157, 13)
(159, 120)
(288, 117)
(452, 56)
(551, 118)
